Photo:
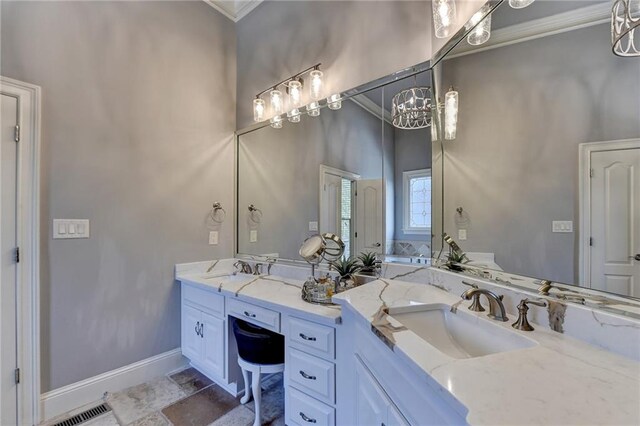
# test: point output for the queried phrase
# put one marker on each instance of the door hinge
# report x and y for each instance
(591, 173)
(16, 374)
(17, 257)
(17, 133)
(590, 241)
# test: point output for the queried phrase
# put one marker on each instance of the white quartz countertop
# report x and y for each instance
(276, 292)
(559, 381)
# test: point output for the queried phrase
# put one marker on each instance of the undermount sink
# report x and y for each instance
(458, 335)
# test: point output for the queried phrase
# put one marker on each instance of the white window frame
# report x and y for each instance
(406, 178)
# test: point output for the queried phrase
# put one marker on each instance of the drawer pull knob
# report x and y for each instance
(306, 376)
(307, 419)
(249, 314)
(305, 337)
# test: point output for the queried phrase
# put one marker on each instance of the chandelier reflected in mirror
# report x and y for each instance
(625, 27)
(411, 108)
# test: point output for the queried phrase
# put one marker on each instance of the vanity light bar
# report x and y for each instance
(294, 89)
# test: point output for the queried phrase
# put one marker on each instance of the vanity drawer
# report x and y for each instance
(303, 410)
(313, 338)
(262, 317)
(208, 300)
(312, 375)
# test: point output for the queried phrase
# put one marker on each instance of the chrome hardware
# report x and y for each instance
(306, 376)
(249, 314)
(496, 308)
(545, 287)
(522, 323)
(636, 257)
(307, 419)
(475, 306)
(242, 266)
(270, 262)
(202, 330)
(305, 337)
(256, 268)
(377, 245)
(197, 328)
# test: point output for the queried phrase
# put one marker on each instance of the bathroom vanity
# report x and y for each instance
(375, 358)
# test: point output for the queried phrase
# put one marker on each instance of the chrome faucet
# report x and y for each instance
(256, 269)
(242, 266)
(496, 308)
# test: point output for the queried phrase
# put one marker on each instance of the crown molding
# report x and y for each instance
(371, 107)
(539, 28)
(234, 9)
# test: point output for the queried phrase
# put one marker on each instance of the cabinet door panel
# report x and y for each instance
(213, 331)
(394, 418)
(191, 340)
(371, 402)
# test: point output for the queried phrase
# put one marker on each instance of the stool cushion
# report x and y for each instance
(257, 345)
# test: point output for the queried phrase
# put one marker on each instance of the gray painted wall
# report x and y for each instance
(279, 173)
(514, 165)
(137, 136)
(356, 42)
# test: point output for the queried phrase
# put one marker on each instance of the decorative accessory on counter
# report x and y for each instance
(346, 269)
(319, 291)
(314, 250)
(522, 323)
(214, 213)
(369, 263)
(625, 28)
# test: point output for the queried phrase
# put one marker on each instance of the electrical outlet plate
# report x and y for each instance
(213, 238)
(66, 229)
(253, 236)
(462, 234)
(562, 226)
(313, 226)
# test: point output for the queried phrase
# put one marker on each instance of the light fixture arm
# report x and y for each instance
(289, 79)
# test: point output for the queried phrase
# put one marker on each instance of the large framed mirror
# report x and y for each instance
(349, 171)
(542, 177)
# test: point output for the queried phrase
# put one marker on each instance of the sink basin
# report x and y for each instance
(460, 335)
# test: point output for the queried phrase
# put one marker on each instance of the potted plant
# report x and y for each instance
(368, 263)
(455, 259)
(346, 269)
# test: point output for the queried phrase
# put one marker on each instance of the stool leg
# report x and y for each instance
(247, 387)
(257, 395)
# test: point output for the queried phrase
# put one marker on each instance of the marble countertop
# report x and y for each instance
(561, 380)
(276, 292)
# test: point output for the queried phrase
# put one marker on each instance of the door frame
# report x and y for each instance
(28, 232)
(584, 199)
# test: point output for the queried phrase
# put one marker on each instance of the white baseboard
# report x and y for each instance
(66, 398)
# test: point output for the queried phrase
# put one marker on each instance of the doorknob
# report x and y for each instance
(636, 257)
(377, 245)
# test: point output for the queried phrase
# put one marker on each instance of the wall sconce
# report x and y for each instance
(444, 17)
(294, 89)
(334, 102)
(625, 20)
(520, 4)
(450, 114)
(481, 24)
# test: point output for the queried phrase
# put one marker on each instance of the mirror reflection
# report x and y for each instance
(541, 178)
(347, 171)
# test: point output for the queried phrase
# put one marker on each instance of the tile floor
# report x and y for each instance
(188, 398)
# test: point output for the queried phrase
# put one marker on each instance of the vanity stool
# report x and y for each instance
(260, 352)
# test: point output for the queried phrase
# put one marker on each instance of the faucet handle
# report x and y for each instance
(522, 323)
(257, 269)
(475, 305)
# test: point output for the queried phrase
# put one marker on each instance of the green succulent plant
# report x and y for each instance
(368, 259)
(346, 266)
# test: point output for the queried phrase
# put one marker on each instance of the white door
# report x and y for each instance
(330, 203)
(369, 226)
(191, 329)
(615, 221)
(213, 336)
(8, 267)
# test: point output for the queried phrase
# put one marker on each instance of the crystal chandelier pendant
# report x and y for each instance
(411, 108)
(625, 28)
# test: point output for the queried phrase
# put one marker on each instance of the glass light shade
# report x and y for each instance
(482, 31)
(295, 93)
(258, 109)
(276, 122)
(294, 115)
(315, 85)
(334, 102)
(450, 114)
(625, 28)
(519, 4)
(276, 102)
(313, 109)
(444, 17)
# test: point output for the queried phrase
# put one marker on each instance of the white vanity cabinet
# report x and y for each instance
(373, 406)
(203, 330)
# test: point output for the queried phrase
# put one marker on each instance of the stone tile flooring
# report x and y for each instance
(188, 398)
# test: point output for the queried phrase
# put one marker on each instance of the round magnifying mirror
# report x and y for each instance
(312, 249)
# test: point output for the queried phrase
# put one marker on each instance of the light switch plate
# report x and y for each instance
(213, 238)
(70, 228)
(562, 226)
(253, 236)
(462, 234)
(313, 226)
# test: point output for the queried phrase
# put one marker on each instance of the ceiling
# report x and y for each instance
(234, 9)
